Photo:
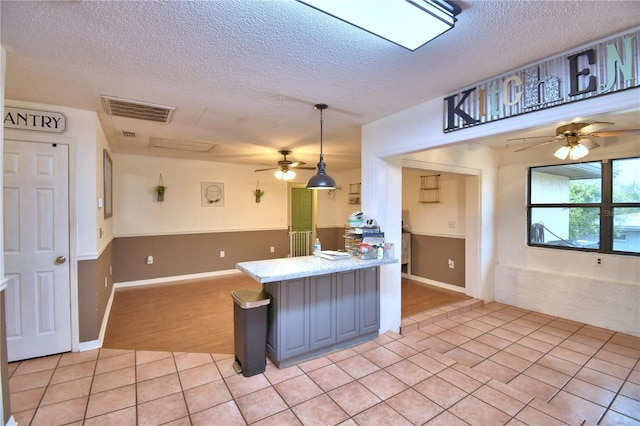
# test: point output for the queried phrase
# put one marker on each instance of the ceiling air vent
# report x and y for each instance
(128, 134)
(137, 109)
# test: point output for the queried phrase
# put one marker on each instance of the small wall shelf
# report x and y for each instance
(429, 189)
(354, 193)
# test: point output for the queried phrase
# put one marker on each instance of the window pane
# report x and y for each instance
(577, 227)
(626, 229)
(626, 180)
(567, 184)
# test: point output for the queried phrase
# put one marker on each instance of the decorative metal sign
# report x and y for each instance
(608, 66)
(31, 119)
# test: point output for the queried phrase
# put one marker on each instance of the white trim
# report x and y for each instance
(438, 167)
(457, 236)
(89, 346)
(12, 422)
(91, 256)
(203, 231)
(435, 283)
(3, 283)
(105, 318)
(161, 280)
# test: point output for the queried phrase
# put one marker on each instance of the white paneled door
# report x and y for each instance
(36, 248)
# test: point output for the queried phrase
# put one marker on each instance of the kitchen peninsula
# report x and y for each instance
(317, 305)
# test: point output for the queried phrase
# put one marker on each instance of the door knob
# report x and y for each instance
(60, 260)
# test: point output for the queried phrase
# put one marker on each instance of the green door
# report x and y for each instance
(301, 208)
(300, 237)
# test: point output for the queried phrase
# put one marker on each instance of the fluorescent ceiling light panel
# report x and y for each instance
(408, 23)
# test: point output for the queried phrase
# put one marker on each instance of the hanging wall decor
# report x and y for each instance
(258, 193)
(160, 190)
(212, 194)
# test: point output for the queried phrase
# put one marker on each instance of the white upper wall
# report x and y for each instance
(136, 211)
(388, 143)
(446, 218)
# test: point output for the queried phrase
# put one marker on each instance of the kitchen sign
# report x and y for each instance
(31, 119)
(608, 66)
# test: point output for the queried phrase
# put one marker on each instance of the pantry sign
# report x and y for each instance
(31, 119)
(608, 66)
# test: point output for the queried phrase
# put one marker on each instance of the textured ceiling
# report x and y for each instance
(244, 74)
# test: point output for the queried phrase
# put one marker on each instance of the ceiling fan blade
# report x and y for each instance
(306, 168)
(531, 137)
(595, 126)
(588, 143)
(537, 145)
(611, 133)
(297, 163)
(270, 168)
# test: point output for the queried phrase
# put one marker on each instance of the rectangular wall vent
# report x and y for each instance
(128, 134)
(137, 109)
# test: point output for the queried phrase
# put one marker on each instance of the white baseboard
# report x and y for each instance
(90, 345)
(161, 280)
(436, 283)
(97, 344)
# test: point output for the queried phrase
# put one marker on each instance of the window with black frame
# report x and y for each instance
(591, 206)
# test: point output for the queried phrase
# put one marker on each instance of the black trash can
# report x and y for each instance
(250, 330)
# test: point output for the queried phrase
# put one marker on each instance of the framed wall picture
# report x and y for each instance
(108, 185)
(212, 194)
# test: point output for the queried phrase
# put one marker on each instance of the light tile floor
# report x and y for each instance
(492, 365)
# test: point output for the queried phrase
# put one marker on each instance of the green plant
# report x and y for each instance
(160, 189)
(258, 193)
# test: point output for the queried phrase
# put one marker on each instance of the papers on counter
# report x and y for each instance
(334, 255)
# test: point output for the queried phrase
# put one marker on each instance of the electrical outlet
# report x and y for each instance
(599, 261)
(273, 249)
(451, 264)
(221, 253)
(149, 260)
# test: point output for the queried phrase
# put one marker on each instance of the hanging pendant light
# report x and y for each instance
(321, 180)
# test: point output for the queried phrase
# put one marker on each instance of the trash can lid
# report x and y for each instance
(251, 297)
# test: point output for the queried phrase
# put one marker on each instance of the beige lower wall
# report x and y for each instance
(186, 254)
(331, 238)
(95, 282)
(124, 260)
(430, 256)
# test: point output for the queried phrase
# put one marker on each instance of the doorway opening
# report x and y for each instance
(302, 217)
(438, 254)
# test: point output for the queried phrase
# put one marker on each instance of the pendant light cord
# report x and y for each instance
(321, 121)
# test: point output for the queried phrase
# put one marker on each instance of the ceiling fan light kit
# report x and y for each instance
(574, 152)
(285, 174)
(285, 167)
(577, 145)
(321, 180)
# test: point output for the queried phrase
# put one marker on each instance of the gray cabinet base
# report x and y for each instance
(284, 363)
(312, 316)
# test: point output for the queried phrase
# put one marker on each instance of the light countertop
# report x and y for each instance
(270, 270)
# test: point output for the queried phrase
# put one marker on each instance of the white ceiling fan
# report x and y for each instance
(576, 138)
(284, 169)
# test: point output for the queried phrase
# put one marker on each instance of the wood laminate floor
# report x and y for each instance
(187, 316)
(197, 315)
(418, 297)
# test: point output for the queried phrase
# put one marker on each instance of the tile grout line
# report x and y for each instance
(618, 391)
